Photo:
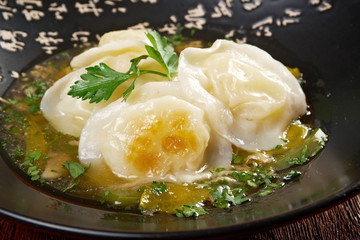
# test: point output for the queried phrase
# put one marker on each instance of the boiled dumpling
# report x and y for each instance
(219, 151)
(155, 134)
(129, 34)
(66, 114)
(156, 138)
(251, 96)
(69, 115)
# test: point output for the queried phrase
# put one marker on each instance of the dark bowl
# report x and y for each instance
(320, 37)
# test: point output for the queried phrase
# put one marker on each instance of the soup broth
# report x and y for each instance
(50, 158)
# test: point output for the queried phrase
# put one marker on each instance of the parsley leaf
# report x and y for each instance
(162, 52)
(75, 169)
(100, 81)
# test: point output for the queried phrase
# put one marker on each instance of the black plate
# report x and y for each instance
(320, 37)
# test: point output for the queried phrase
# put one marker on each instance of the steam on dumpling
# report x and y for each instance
(154, 139)
(252, 97)
(69, 115)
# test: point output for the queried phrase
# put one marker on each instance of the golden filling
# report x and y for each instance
(159, 139)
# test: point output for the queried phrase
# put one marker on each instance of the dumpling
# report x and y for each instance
(69, 115)
(252, 97)
(219, 151)
(155, 134)
(129, 34)
(66, 114)
(155, 138)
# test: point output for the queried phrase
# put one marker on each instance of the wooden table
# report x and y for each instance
(341, 221)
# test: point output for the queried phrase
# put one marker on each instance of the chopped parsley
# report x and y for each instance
(301, 159)
(75, 169)
(236, 159)
(33, 170)
(190, 211)
(158, 188)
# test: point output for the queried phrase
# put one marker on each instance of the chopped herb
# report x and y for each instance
(241, 176)
(17, 153)
(33, 170)
(178, 38)
(75, 169)
(219, 169)
(225, 196)
(252, 184)
(291, 175)
(34, 156)
(265, 192)
(71, 186)
(301, 159)
(158, 188)
(236, 158)
(190, 211)
(106, 193)
(278, 146)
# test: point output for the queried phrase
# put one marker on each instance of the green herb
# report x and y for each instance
(106, 193)
(71, 186)
(17, 153)
(265, 192)
(190, 211)
(291, 175)
(278, 146)
(33, 170)
(178, 38)
(158, 188)
(34, 92)
(236, 159)
(34, 155)
(217, 170)
(75, 169)
(301, 159)
(100, 81)
(225, 196)
(162, 52)
(241, 176)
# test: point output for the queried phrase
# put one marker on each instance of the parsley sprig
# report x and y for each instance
(100, 81)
